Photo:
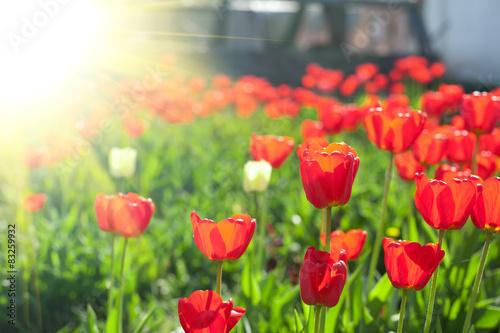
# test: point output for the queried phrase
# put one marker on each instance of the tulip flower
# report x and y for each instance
(122, 162)
(134, 127)
(486, 212)
(351, 242)
(322, 278)
(407, 165)
(127, 215)
(272, 149)
(302, 147)
(410, 265)
(490, 142)
(328, 174)
(34, 202)
(394, 130)
(444, 205)
(446, 172)
(256, 176)
(366, 71)
(461, 146)
(430, 146)
(481, 112)
(432, 103)
(312, 129)
(452, 96)
(225, 240)
(204, 311)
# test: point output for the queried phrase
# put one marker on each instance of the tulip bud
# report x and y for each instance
(122, 162)
(256, 176)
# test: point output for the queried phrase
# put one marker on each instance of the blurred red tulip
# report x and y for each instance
(446, 173)
(308, 81)
(204, 311)
(351, 242)
(490, 142)
(452, 96)
(312, 129)
(432, 103)
(304, 96)
(322, 278)
(221, 82)
(246, 105)
(420, 74)
(460, 146)
(349, 86)
(331, 114)
(437, 69)
(134, 127)
(366, 71)
(34, 202)
(127, 215)
(270, 148)
(397, 88)
(444, 205)
(394, 131)
(481, 112)
(407, 165)
(410, 265)
(487, 164)
(395, 75)
(486, 212)
(328, 174)
(430, 146)
(225, 240)
(282, 107)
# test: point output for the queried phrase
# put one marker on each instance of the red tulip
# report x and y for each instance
(366, 71)
(282, 107)
(204, 311)
(430, 146)
(460, 146)
(271, 148)
(302, 147)
(397, 88)
(127, 215)
(394, 131)
(322, 278)
(221, 81)
(349, 86)
(410, 265)
(312, 129)
(432, 103)
(481, 112)
(444, 205)
(246, 105)
(486, 212)
(331, 115)
(407, 165)
(351, 242)
(452, 95)
(328, 174)
(134, 126)
(437, 69)
(490, 142)
(34, 202)
(487, 164)
(225, 240)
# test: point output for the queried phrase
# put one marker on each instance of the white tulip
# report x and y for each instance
(122, 162)
(256, 176)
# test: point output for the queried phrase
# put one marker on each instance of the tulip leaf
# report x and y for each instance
(250, 285)
(92, 320)
(310, 319)
(438, 325)
(298, 324)
(144, 320)
(269, 286)
(379, 294)
(490, 318)
(112, 321)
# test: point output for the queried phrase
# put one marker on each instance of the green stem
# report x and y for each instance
(430, 306)
(111, 275)
(328, 231)
(322, 230)
(261, 224)
(219, 276)
(474, 156)
(120, 296)
(477, 282)
(317, 318)
(378, 237)
(402, 311)
(348, 307)
(322, 319)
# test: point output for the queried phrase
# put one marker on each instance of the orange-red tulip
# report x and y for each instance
(432, 103)
(460, 146)
(205, 312)
(490, 142)
(446, 172)
(302, 147)
(322, 278)
(270, 148)
(410, 265)
(351, 242)
(366, 71)
(34, 201)
(225, 240)
(328, 174)
(481, 112)
(127, 215)
(407, 165)
(486, 212)
(444, 205)
(430, 146)
(393, 130)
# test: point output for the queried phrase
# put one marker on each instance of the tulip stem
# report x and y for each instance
(322, 320)
(474, 156)
(317, 319)
(111, 275)
(378, 237)
(430, 306)
(477, 282)
(120, 297)
(347, 308)
(219, 276)
(260, 204)
(402, 311)
(328, 230)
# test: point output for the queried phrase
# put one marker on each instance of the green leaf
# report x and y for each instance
(144, 319)
(310, 319)
(249, 284)
(92, 319)
(438, 325)
(268, 286)
(490, 318)
(298, 324)
(379, 294)
(112, 321)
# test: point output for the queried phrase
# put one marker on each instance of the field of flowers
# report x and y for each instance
(109, 208)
